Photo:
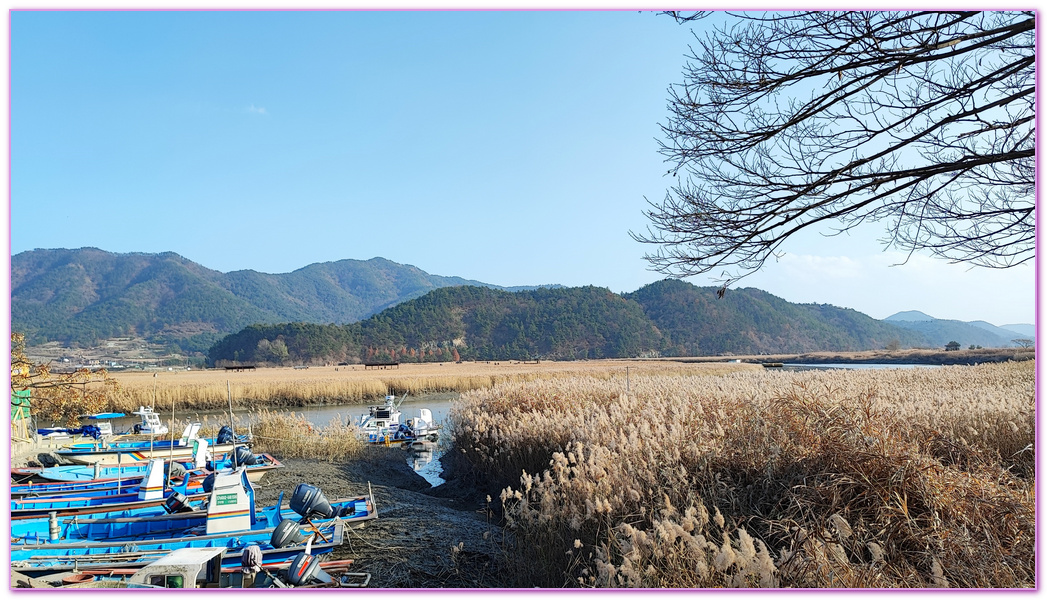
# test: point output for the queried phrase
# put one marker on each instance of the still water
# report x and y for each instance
(425, 461)
(853, 366)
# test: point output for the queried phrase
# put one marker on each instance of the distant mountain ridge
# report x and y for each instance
(939, 332)
(84, 295)
(665, 318)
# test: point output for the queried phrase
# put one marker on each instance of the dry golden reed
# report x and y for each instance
(285, 435)
(286, 387)
(887, 478)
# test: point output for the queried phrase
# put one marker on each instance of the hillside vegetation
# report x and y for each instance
(666, 318)
(85, 295)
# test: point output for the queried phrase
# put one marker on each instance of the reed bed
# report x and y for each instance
(285, 435)
(899, 478)
(293, 436)
(286, 387)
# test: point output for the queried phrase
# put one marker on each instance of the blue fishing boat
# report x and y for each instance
(230, 522)
(105, 487)
(117, 452)
(230, 508)
(201, 568)
(36, 560)
(92, 475)
(150, 494)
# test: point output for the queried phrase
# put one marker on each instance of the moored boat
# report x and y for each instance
(35, 560)
(100, 475)
(387, 425)
(230, 508)
(119, 452)
(197, 568)
(150, 493)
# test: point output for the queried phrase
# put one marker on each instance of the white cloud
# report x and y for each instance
(808, 267)
(256, 110)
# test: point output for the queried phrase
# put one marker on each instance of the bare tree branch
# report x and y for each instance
(924, 121)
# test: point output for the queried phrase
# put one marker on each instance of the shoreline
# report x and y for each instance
(887, 357)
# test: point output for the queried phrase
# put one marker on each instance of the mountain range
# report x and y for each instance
(81, 296)
(939, 332)
(84, 295)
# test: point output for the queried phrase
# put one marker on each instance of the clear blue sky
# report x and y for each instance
(514, 148)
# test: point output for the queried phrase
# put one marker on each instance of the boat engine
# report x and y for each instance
(174, 471)
(176, 503)
(251, 559)
(243, 456)
(208, 483)
(225, 435)
(287, 533)
(303, 569)
(308, 501)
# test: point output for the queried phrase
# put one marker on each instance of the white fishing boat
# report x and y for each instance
(151, 424)
(387, 424)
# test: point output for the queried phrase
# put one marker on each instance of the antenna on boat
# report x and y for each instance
(170, 458)
(232, 454)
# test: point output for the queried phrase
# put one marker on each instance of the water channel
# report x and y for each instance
(425, 461)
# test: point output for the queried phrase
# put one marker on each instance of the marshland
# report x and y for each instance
(669, 475)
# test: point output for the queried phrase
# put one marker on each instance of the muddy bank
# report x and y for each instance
(423, 536)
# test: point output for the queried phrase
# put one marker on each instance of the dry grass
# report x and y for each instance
(286, 387)
(902, 478)
(293, 436)
(286, 434)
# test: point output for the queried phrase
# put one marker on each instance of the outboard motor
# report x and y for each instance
(303, 569)
(176, 503)
(286, 534)
(308, 501)
(174, 470)
(208, 483)
(251, 559)
(243, 456)
(225, 435)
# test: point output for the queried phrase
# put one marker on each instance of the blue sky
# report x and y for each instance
(514, 148)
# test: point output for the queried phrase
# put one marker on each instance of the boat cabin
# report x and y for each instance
(185, 568)
(195, 568)
(151, 424)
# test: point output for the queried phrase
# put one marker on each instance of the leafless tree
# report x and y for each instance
(921, 120)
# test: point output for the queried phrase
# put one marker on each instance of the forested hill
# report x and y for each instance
(694, 322)
(667, 318)
(85, 295)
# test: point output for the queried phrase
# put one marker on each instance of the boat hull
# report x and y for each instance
(38, 560)
(116, 456)
(88, 506)
(138, 528)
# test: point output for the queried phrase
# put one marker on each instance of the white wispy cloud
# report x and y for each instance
(810, 267)
(256, 110)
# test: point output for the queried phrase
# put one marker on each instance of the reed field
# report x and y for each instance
(287, 387)
(281, 434)
(831, 479)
